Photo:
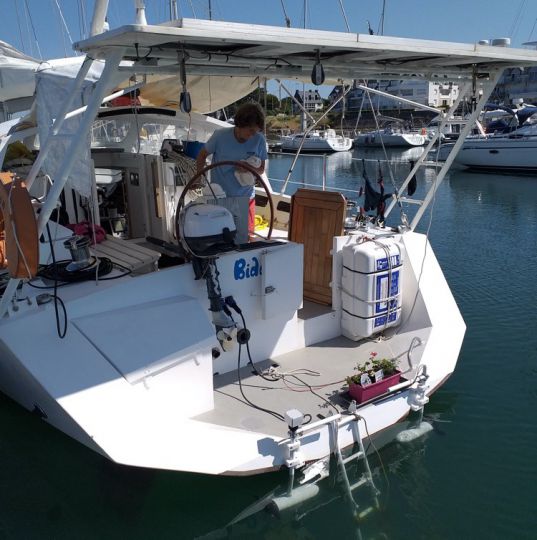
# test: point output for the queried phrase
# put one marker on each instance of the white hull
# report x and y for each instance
(499, 153)
(159, 409)
(316, 144)
(376, 139)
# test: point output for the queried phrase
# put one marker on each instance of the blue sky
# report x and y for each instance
(44, 35)
(466, 20)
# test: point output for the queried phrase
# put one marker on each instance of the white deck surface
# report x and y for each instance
(333, 360)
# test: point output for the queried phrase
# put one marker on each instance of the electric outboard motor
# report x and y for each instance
(207, 229)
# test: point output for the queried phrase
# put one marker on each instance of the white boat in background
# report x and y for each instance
(190, 365)
(316, 141)
(514, 151)
(390, 137)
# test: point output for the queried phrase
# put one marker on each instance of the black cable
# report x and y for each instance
(230, 301)
(250, 361)
(87, 275)
(126, 271)
(314, 393)
(46, 287)
(268, 411)
(58, 271)
(57, 299)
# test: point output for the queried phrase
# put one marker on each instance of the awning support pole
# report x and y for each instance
(488, 88)
(340, 98)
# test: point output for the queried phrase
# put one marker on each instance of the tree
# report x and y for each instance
(272, 102)
(286, 105)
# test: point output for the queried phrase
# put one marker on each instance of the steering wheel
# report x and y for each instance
(241, 164)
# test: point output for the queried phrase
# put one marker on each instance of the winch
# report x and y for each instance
(78, 246)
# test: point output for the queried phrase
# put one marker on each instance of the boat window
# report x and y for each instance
(107, 131)
(132, 134)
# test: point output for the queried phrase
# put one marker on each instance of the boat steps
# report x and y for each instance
(367, 478)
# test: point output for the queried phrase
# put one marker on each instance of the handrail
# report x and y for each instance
(416, 340)
(307, 184)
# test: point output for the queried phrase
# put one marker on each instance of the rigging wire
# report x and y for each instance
(192, 8)
(390, 171)
(23, 48)
(532, 29)
(64, 25)
(61, 31)
(517, 19)
(344, 15)
(287, 19)
(33, 29)
(81, 29)
(380, 30)
(30, 44)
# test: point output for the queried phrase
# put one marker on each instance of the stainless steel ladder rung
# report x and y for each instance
(352, 457)
(366, 479)
(360, 483)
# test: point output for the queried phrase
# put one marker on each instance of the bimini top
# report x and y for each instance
(222, 48)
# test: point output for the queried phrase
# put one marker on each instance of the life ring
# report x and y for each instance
(19, 245)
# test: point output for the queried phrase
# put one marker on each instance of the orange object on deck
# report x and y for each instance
(19, 245)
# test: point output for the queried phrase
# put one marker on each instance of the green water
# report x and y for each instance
(474, 476)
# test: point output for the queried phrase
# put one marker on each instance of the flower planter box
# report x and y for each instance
(365, 393)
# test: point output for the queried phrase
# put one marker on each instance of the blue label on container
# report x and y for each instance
(381, 291)
(382, 264)
(381, 321)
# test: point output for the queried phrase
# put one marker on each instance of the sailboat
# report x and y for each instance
(317, 141)
(231, 358)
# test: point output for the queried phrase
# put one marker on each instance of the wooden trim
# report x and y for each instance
(316, 217)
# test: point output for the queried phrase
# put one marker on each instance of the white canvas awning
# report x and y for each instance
(17, 73)
(208, 93)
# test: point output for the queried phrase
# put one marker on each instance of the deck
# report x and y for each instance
(332, 360)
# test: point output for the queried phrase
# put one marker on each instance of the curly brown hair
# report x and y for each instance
(250, 114)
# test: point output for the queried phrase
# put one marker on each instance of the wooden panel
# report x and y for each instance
(136, 258)
(316, 217)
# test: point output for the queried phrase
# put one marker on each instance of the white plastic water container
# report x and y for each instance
(357, 328)
(371, 287)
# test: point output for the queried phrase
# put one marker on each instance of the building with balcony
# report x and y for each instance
(311, 99)
(517, 84)
(440, 95)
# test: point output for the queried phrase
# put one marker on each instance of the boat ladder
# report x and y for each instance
(367, 478)
(321, 468)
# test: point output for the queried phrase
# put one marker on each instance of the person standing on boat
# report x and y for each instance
(242, 142)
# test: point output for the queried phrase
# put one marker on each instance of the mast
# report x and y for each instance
(173, 10)
(140, 12)
(99, 16)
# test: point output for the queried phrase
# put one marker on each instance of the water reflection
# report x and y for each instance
(392, 154)
(342, 170)
(330, 511)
